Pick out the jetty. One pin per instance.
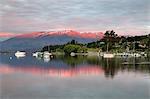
(141, 63)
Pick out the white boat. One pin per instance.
(108, 55)
(47, 53)
(19, 54)
(72, 54)
(36, 54)
(46, 56)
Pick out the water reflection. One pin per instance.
(86, 70)
(66, 66)
(79, 77)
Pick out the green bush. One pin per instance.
(74, 48)
(71, 48)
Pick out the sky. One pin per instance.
(126, 17)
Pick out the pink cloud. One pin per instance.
(5, 35)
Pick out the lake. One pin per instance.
(79, 77)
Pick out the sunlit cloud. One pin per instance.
(6, 35)
(124, 16)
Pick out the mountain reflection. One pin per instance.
(66, 66)
(86, 70)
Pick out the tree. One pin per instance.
(112, 33)
(73, 42)
(110, 38)
(107, 34)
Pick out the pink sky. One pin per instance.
(26, 16)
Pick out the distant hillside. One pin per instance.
(37, 40)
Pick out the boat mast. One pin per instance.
(48, 48)
(134, 46)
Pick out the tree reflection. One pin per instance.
(73, 65)
(110, 66)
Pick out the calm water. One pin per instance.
(73, 78)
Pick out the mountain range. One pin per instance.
(36, 40)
